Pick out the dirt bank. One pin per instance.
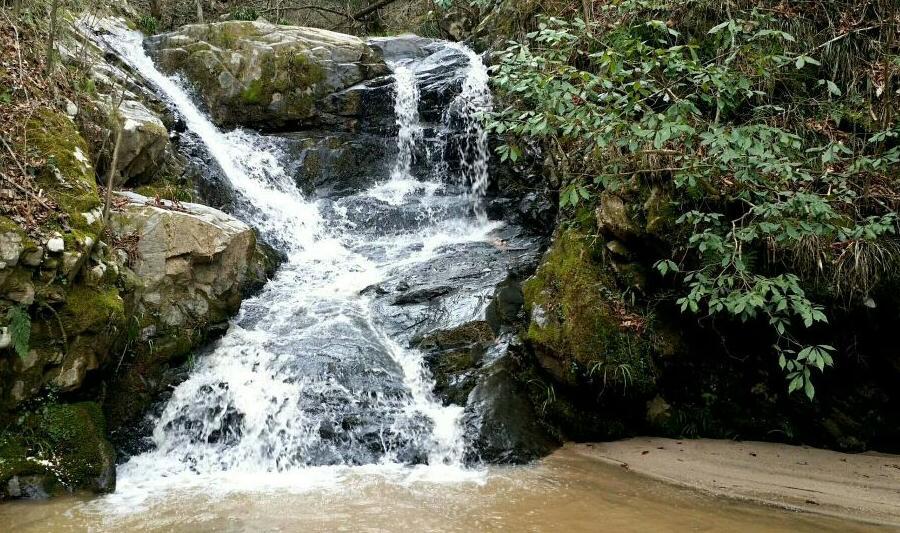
(856, 486)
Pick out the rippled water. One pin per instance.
(568, 492)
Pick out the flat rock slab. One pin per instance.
(857, 486)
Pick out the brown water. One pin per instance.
(565, 492)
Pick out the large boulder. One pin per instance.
(192, 261)
(265, 75)
(191, 266)
(580, 327)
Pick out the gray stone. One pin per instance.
(11, 248)
(56, 245)
(260, 74)
(192, 263)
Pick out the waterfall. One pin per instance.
(469, 107)
(406, 108)
(308, 375)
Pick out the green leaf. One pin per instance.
(719, 27)
(19, 330)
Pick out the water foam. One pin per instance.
(246, 417)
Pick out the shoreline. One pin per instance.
(861, 487)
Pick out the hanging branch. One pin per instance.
(362, 13)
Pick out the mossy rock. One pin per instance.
(454, 357)
(67, 174)
(92, 309)
(260, 74)
(58, 447)
(576, 323)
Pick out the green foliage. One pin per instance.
(19, 329)
(740, 120)
(148, 24)
(244, 13)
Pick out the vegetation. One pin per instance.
(773, 129)
(19, 329)
(354, 16)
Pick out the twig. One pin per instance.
(303, 8)
(19, 54)
(25, 190)
(839, 37)
(14, 158)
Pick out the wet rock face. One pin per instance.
(502, 425)
(263, 75)
(455, 357)
(58, 448)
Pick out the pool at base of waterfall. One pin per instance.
(567, 491)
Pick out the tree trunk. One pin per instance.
(52, 37)
(156, 9)
(199, 12)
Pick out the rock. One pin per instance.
(5, 338)
(33, 257)
(658, 411)
(423, 295)
(71, 108)
(576, 326)
(399, 47)
(11, 247)
(260, 74)
(454, 356)
(56, 245)
(337, 162)
(193, 263)
(72, 263)
(18, 286)
(95, 274)
(26, 488)
(144, 142)
(502, 424)
(65, 450)
(613, 217)
(506, 306)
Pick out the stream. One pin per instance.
(314, 411)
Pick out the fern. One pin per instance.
(19, 330)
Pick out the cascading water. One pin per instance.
(312, 373)
(406, 108)
(468, 108)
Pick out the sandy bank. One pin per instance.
(857, 486)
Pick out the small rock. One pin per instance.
(71, 108)
(33, 258)
(72, 262)
(56, 245)
(5, 338)
(95, 275)
(11, 248)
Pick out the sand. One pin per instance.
(862, 487)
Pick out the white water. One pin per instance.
(469, 107)
(251, 415)
(406, 108)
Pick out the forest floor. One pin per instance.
(856, 486)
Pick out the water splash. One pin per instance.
(308, 381)
(469, 108)
(406, 109)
